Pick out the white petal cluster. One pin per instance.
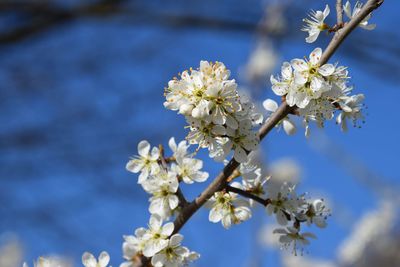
(162, 182)
(157, 243)
(218, 118)
(174, 254)
(288, 206)
(160, 176)
(291, 237)
(284, 203)
(315, 213)
(357, 8)
(88, 260)
(163, 188)
(315, 24)
(318, 92)
(228, 208)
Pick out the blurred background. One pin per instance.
(81, 83)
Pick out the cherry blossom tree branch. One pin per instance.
(247, 194)
(284, 109)
(220, 182)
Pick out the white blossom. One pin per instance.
(227, 208)
(315, 24)
(284, 202)
(146, 162)
(133, 246)
(179, 151)
(215, 112)
(357, 8)
(317, 91)
(156, 237)
(315, 213)
(88, 260)
(291, 236)
(256, 187)
(163, 187)
(241, 141)
(309, 79)
(188, 169)
(351, 109)
(173, 255)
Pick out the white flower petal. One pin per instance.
(270, 105)
(143, 148)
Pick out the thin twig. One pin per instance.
(339, 12)
(247, 194)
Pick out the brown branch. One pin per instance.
(247, 194)
(220, 182)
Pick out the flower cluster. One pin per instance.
(157, 243)
(219, 119)
(160, 176)
(317, 91)
(233, 204)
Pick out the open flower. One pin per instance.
(242, 141)
(156, 236)
(163, 187)
(315, 24)
(290, 236)
(88, 260)
(146, 162)
(309, 79)
(351, 109)
(281, 85)
(179, 151)
(173, 255)
(188, 170)
(317, 213)
(133, 247)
